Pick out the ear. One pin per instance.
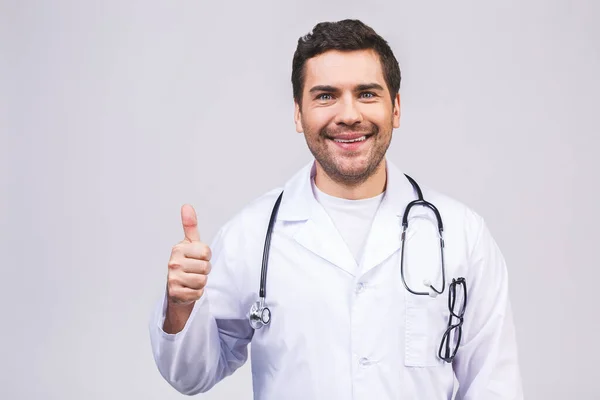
(396, 112)
(298, 118)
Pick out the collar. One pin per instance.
(298, 202)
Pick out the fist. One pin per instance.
(189, 264)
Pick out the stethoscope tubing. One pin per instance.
(257, 311)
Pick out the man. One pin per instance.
(359, 309)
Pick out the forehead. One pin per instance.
(341, 68)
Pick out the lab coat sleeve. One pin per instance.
(486, 364)
(214, 341)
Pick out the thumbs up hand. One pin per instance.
(189, 264)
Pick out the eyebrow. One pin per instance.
(369, 86)
(323, 88)
(359, 88)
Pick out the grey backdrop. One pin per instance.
(115, 113)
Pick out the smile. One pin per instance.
(360, 139)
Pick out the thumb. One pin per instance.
(190, 223)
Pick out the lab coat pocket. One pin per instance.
(424, 329)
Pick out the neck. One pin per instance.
(371, 187)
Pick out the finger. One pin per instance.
(189, 265)
(194, 281)
(182, 294)
(182, 279)
(192, 266)
(197, 251)
(190, 223)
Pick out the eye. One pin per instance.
(367, 95)
(324, 96)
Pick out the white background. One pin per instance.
(115, 113)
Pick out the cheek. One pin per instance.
(379, 116)
(316, 119)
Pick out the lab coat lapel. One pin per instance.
(317, 232)
(384, 238)
(320, 236)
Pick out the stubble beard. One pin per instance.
(327, 160)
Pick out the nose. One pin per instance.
(348, 113)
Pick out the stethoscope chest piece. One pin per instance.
(259, 314)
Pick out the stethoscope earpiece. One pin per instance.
(432, 291)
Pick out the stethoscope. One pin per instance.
(260, 314)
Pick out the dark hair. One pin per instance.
(345, 35)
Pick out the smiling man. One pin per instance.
(347, 116)
(378, 288)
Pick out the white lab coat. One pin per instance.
(342, 330)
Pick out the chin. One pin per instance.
(352, 172)
(353, 165)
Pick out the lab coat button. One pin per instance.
(363, 361)
(360, 287)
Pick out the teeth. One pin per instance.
(360, 139)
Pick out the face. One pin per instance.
(346, 114)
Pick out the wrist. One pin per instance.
(176, 316)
